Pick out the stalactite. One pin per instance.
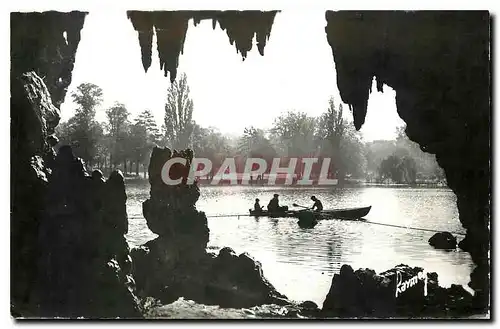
(438, 64)
(144, 27)
(44, 48)
(171, 28)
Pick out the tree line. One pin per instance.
(125, 143)
(119, 142)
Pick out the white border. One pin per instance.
(92, 5)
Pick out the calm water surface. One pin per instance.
(301, 262)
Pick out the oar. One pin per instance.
(298, 205)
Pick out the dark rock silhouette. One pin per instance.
(33, 118)
(69, 257)
(85, 267)
(41, 64)
(363, 293)
(309, 305)
(464, 244)
(443, 240)
(170, 211)
(442, 84)
(230, 270)
(176, 263)
(59, 236)
(307, 219)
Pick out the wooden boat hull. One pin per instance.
(346, 214)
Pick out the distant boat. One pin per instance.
(345, 213)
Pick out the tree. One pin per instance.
(331, 125)
(88, 96)
(101, 148)
(199, 142)
(82, 131)
(147, 119)
(375, 152)
(144, 135)
(63, 132)
(351, 153)
(426, 164)
(138, 143)
(408, 169)
(389, 169)
(211, 144)
(118, 128)
(294, 133)
(338, 139)
(178, 114)
(255, 144)
(399, 170)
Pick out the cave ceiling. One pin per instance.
(171, 27)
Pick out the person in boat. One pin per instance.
(274, 205)
(256, 206)
(317, 206)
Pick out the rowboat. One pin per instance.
(344, 213)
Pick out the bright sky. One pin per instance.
(296, 73)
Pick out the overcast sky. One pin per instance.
(296, 73)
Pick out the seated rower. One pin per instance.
(318, 206)
(256, 206)
(273, 205)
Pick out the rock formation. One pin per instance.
(176, 263)
(69, 257)
(32, 117)
(438, 64)
(41, 64)
(171, 28)
(171, 212)
(443, 240)
(84, 269)
(363, 293)
(307, 219)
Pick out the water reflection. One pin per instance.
(301, 262)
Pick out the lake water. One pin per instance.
(301, 262)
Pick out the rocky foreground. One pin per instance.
(176, 263)
(90, 271)
(177, 272)
(353, 294)
(188, 309)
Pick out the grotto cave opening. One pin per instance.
(438, 75)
